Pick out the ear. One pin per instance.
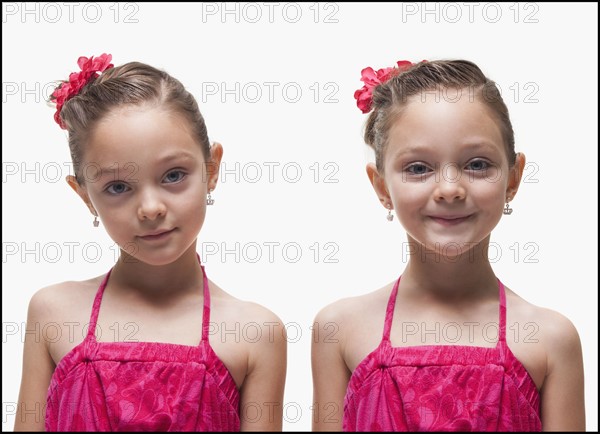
(213, 166)
(81, 192)
(378, 183)
(514, 177)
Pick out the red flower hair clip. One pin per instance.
(372, 79)
(77, 80)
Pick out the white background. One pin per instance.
(543, 56)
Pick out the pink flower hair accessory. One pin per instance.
(77, 80)
(372, 79)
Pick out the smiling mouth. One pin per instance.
(450, 221)
(157, 236)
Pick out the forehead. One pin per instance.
(139, 133)
(447, 117)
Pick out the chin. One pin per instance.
(158, 258)
(450, 249)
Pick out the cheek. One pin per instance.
(488, 194)
(194, 203)
(195, 217)
(197, 209)
(405, 194)
(117, 225)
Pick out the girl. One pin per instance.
(419, 354)
(144, 167)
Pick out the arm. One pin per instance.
(330, 373)
(261, 394)
(562, 398)
(38, 367)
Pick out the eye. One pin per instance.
(175, 176)
(478, 165)
(417, 169)
(117, 188)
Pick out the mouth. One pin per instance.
(157, 235)
(451, 220)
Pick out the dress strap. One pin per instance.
(389, 313)
(96, 307)
(502, 319)
(206, 309)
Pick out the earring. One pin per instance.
(507, 209)
(209, 199)
(96, 222)
(390, 217)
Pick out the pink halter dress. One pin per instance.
(142, 386)
(441, 387)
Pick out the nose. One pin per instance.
(449, 186)
(151, 206)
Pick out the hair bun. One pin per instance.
(372, 79)
(77, 80)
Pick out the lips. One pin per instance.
(157, 234)
(450, 220)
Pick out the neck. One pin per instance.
(156, 281)
(464, 276)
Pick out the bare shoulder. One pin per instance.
(251, 341)
(345, 311)
(557, 348)
(59, 299)
(343, 334)
(353, 324)
(247, 317)
(544, 334)
(555, 329)
(256, 315)
(60, 313)
(558, 334)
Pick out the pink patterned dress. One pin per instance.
(142, 386)
(441, 387)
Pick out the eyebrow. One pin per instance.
(479, 144)
(165, 159)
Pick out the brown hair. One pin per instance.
(133, 83)
(391, 97)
